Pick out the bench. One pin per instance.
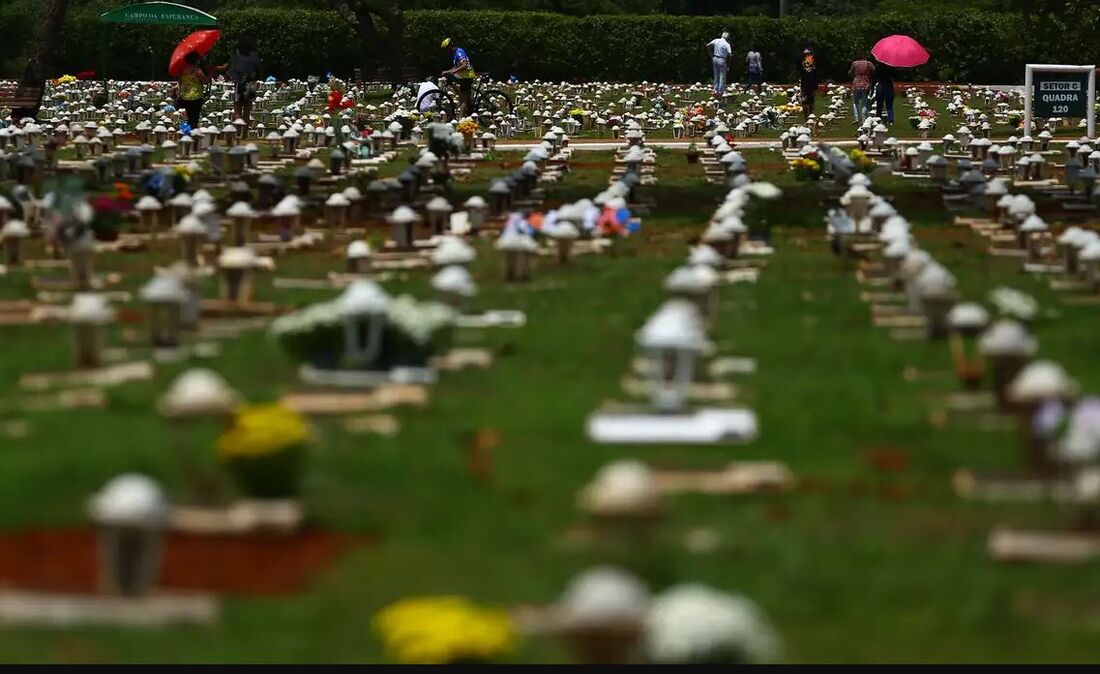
(23, 101)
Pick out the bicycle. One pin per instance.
(486, 102)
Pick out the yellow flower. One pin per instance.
(440, 630)
(861, 160)
(261, 430)
(467, 126)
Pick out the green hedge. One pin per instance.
(966, 46)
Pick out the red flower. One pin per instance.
(108, 205)
(123, 192)
(334, 99)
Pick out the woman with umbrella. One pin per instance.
(187, 66)
(192, 87)
(884, 91)
(895, 51)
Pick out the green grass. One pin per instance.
(856, 566)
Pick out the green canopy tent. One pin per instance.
(151, 13)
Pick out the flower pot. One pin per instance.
(607, 644)
(1005, 368)
(269, 476)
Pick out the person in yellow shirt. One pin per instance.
(192, 88)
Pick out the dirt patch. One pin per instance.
(894, 493)
(887, 459)
(65, 560)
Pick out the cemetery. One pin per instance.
(594, 371)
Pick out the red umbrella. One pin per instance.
(900, 51)
(201, 41)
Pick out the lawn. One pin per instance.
(857, 564)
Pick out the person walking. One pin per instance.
(807, 80)
(720, 56)
(754, 63)
(243, 70)
(884, 92)
(862, 72)
(192, 88)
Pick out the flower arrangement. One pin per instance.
(1015, 120)
(182, 172)
(806, 168)
(694, 624)
(615, 222)
(407, 119)
(263, 450)
(923, 115)
(444, 630)
(262, 430)
(578, 114)
(414, 332)
(338, 85)
(789, 108)
(336, 101)
(123, 192)
(420, 322)
(110, 209)
(862, 163)
(467, 127)
(1014, 304)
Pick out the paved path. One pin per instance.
(588, 145)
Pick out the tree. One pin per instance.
(381, 27)
(43, 55)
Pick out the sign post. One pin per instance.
(1060, 91)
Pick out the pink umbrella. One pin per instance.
(900, 51)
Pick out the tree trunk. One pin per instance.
(43, 57)
(395, 37)
(387, 48)
(782, 8)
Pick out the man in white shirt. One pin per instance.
(720, 57)
(427, 95)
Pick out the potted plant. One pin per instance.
(415, 331)
(468, 128)
(264, 450)
(697, 625)
(313, 335)
(693, 154)
(409, 334)
(806, 169)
